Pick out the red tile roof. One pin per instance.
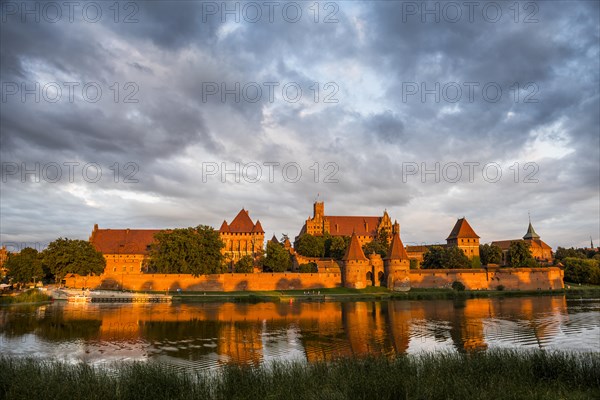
(397, 251)
(354, 251)
(462, 229)
(224, 227)
(258, 227)
(345, 225)
(242, 223)
(505, 244)
(123, 241)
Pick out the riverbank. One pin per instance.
(486, 375)
(32, 296)
(375, 293)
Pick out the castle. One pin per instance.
(126, 252)
(366, 228)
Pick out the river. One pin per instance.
(208, 335)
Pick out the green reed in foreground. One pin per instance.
(486, 375)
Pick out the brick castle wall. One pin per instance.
(481, 279)
(473, 279)
(222, 282)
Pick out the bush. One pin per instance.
(308, 268)
(458, 286)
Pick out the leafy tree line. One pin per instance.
(445, 257)
(195, 251)
(490, 254)
(61, 257)
(563, 253)
(335, 246)
(322, 246)
(582, 270)
(519, 256)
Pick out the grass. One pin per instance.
(30, 296)
(378, 293)
(486, 375)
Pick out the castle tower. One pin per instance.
(242, 237)
(356, 265)
(397, 265)
(465, 238)
(319, 210)
(539, 249)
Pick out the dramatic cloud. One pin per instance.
(193, 110)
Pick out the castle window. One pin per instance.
(114, 269)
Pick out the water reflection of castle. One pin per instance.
(248, 333)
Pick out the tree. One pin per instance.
(519, 255)
(376, 246)
(490, 254)
(278, 259)
(383, 237)
(414, 264)
(66, 256)
(450, 257)
(310, 246)
(24, 267)
(562, 253)
(307, 268)
(338, 246)
(244, 265)
(195, 251)
(578, 270)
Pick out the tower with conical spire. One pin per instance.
(397, 265)
(531, 234)
(355, 265)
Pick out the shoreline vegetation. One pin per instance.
(337, 294)
(505, 374)
(377, 293)
(30, 296)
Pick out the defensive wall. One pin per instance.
(473, 279)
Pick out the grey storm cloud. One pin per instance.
(360, 121)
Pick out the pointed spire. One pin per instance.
(396, 250)
(258, 227)
(224, 227)
(462, 229)
(242, 222)
(354, 251)
(274, 239)
(531, 232)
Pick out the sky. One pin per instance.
(161, 114)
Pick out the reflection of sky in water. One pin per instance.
(429, 336)
(206, 336)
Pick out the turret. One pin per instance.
(356, 265)
(397, 265)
